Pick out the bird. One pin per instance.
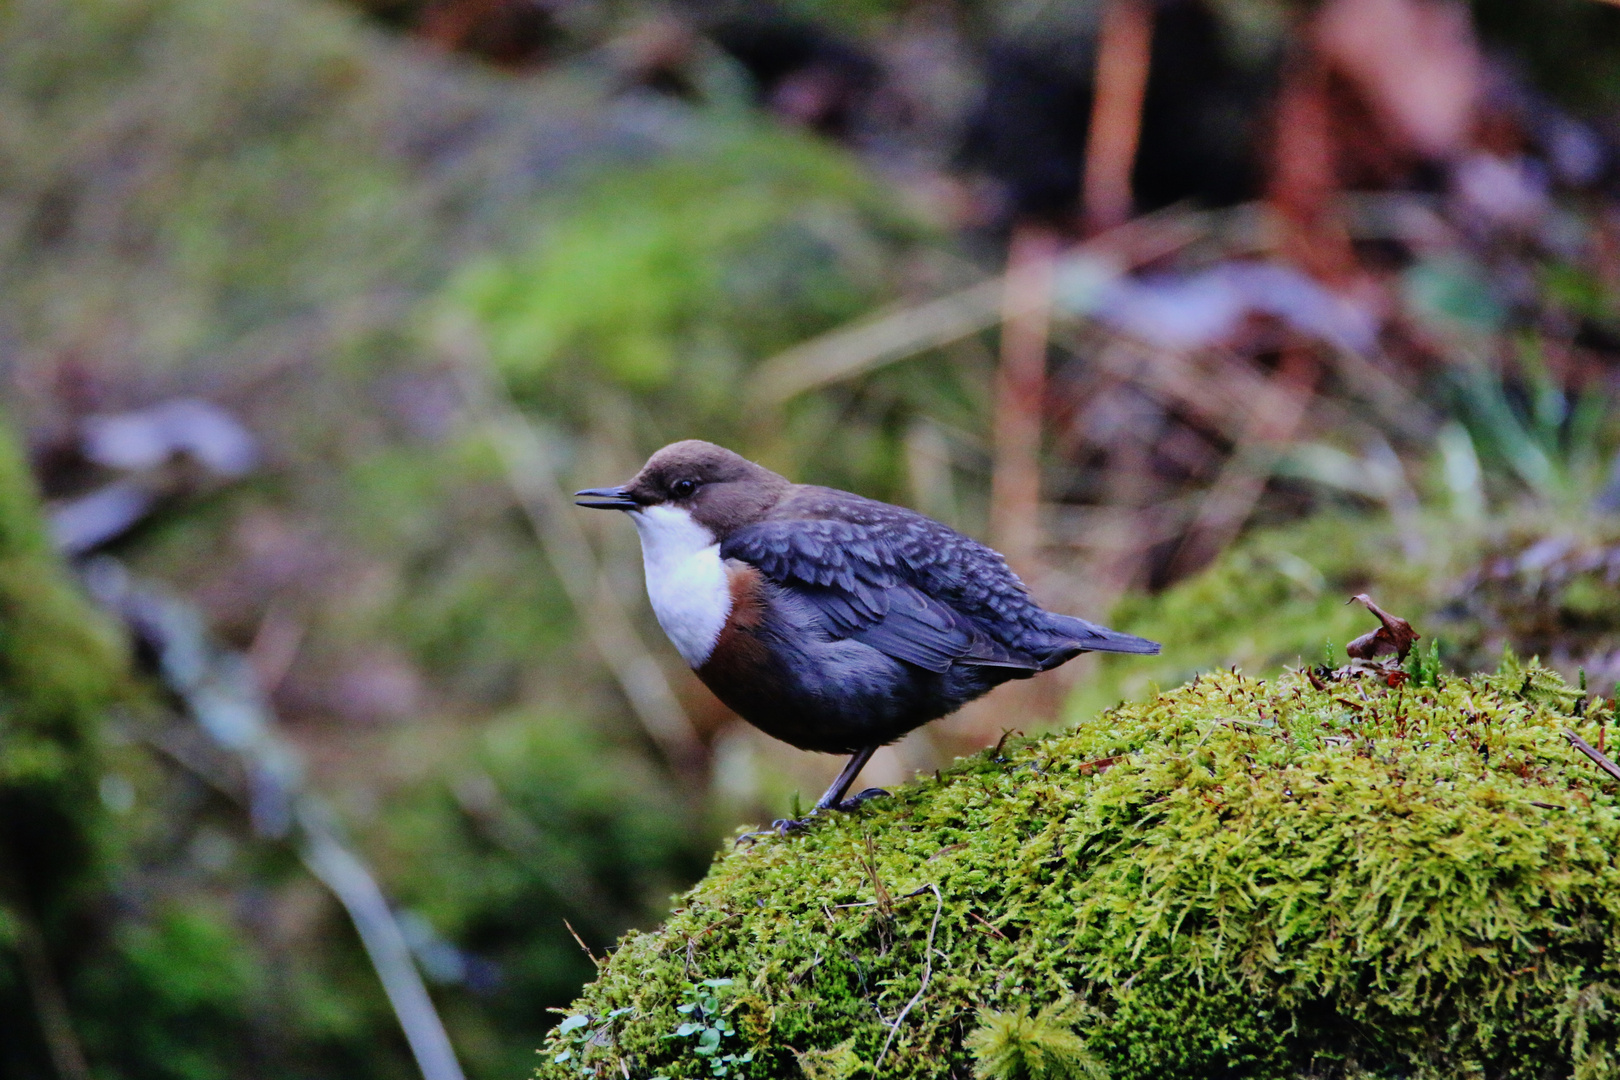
(830, 621)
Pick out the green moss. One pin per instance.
(1237, 878)
(1019, 1046)
(60, 666)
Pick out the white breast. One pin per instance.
(686, 580)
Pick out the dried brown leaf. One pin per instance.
(1394, 636)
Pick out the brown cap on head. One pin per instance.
(721, 489)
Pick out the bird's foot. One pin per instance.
(781, 827)
(786, 826)
(855, 801)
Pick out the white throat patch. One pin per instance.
(686, 580)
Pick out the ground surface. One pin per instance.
(1238, 878)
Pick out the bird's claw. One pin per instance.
(780, 827)
(785, 826)
(855, 801)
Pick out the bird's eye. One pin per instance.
(682, 488)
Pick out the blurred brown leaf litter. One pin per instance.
(307, 311)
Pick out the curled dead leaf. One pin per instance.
(1394, 636)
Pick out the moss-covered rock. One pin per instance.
(1238, 878)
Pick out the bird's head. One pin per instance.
(700, 481)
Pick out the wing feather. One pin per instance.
(858, 582)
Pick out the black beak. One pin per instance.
(612, 498)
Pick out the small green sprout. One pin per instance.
(704, 1019)
(1424, 665)
(578, 1032)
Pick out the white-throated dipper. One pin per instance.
(827, 620)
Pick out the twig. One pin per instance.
(873, 903)
(869, 863)
(586, 949)
(894, 335)
(718, 923)
(986, 924)
(1599, 759)
(340, 871)
(928, 973)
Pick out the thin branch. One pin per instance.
(1599, 759)
(928, 973)
(987, 924)
(854, 350)
(586, 949)
(223, 696)
(347, 877)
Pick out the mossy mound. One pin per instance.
(1238, 878)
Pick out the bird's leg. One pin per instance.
(832, 800)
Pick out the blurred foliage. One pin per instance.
(1237, 878)
(250, 199)
(263, 201)
(638, 311)
(678, 271)
(164, 992)
(542, 815)
(61, 666)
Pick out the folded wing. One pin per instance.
(861, 589)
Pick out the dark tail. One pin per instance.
(1077, 636)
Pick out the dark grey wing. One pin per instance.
(925, 632)
(862, 548)
(858, 582)
(891, 540)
